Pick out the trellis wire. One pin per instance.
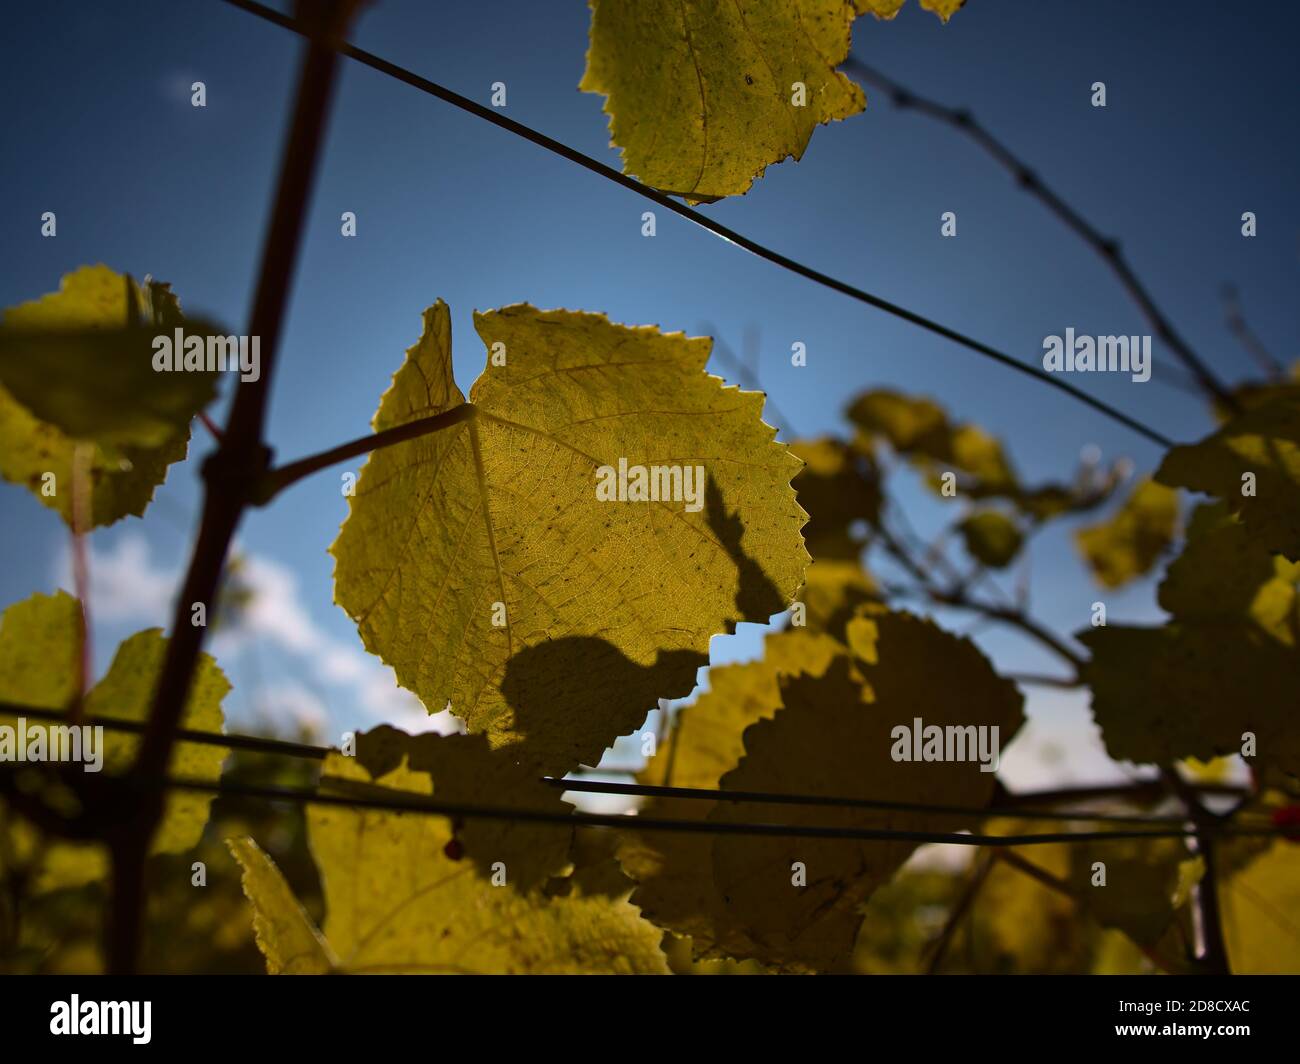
(395, 801)
(281, 747)
(445, 94)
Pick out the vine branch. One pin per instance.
(1246, 336)
(276, 480)
(1107, 247)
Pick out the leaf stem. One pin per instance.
(276, 480)
(959, 598)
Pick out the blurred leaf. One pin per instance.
(909, 425)
(991, 538)
(1228, 662)
(1128, 544)
(832, 592)
(40, 649)
(1147, 882)
(1021, 925)
(1263, 441)
(81, 359)
(1259, 905)
(839, 487)
(921, 431)
(1226, 574)
(74, 374)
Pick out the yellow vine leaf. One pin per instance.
(482, 563)
(1260, 903)
(1227, 664)
(706, 738)
(803, 737)
(704, 96)
(467, 771)
(74, 377)
(945, 9)
(1253, 464)
(888, 9)
(833, 591)
(397, 902)
(672, 870)
(839, 487)
(1129, 544)
(1147, 885)
(1019, 924)
(40, 648)
(286, 935)
(835, 736)
(920, 429)
(991, 538)
(1224, 573)
(909, 424)
(82, 358)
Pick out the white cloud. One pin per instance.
(127, 586)
(294, 701)
(124, 583)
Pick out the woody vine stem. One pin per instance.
(239, 462)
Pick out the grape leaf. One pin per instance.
(396, 902)
(1021, 925)
(705, 741)
(839, 487)
(832, 592)
(1225, 573)
(607, 606)
(834, 736)
(888, 9)
(1146, 887)
(467, 771)
(82, 359)
(97, 410)
(702, 96)
(285, 934)
(909, 424)
(672, 870)
(1228, 662)
(1128, 544)
(920, 430)
(991, 537)
(40, 647)
(1259, 903)
(822, 735)
(1263, 441)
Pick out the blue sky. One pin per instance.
(99, 128)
